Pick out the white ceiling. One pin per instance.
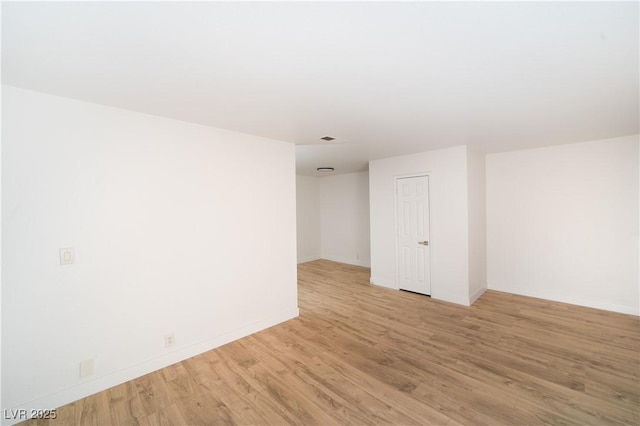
(384, 78)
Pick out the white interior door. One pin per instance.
(412, 210)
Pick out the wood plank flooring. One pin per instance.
(361, 354)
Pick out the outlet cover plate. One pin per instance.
(67, 256)
(86, 368)
(169, 340)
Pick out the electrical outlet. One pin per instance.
(169, 340)
(86, 368)
(67, 256)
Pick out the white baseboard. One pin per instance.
(438, 294)
(476, 295)
(356, 262)
(383, 283)
(572, 300)
(115, 378)
(308, 259)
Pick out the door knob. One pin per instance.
(424, 243)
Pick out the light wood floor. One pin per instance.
(361, 354)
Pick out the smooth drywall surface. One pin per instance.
(177, 228)
(477, 224)
(344, 201)
(562, 223)
(308, 217)
(1, 405)
(447, 170)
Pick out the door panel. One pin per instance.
(413, 234)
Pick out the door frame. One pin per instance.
(396, 178)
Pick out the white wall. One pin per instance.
(477, 224)
(176, 227)
(308, 218)
(1, 239)
(562, 223)
(449, 224)
(344, 201)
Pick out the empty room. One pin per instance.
(331, 213)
